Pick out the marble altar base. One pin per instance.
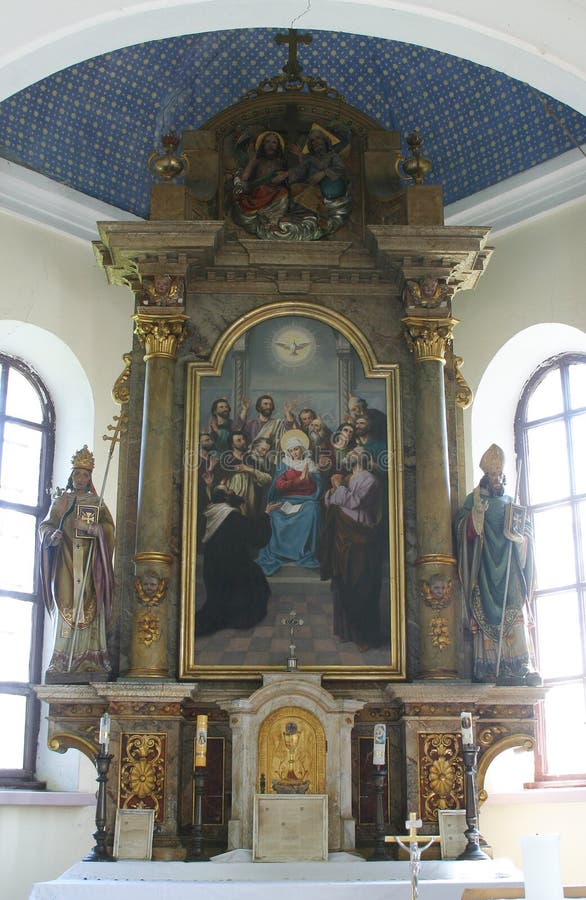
(343, 877)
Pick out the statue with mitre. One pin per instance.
(495, 555)
(76, 576)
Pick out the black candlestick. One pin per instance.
(197, 854)
(380, 850)
(472, 851)
(100, 852)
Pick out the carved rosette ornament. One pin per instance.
(161, 333)
(428, 338)
(441, 774)
(142, 772)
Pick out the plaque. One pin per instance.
(133, 834)
(290, 827)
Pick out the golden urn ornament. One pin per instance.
(168, 165)
(416, 166)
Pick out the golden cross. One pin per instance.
(292, 67)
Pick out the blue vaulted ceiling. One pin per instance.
(93, 126)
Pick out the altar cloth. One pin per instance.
(343, 877)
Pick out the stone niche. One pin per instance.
(289, 695)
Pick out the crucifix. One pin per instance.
(413, 848)
(292, 67)
(292, 622)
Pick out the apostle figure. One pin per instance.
(242, 475)
(265, 424)
(294, 508)
(319, 182)
(260, 186)
(351, 551)
(496, 569)
(76, 576)
(237, 591)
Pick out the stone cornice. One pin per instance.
(457, 256)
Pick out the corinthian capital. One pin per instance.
(427, 337)
(161, 333)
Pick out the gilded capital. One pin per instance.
(428, 338)
(161, 334)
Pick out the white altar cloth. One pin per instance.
(343, 877)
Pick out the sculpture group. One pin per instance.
(285, 192)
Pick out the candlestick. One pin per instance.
(197, 853)
(100, 852)
(380, 852)
(201, 741)
(466, 727)
(379, 745)
(472, 850)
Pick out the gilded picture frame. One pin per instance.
(311, 359)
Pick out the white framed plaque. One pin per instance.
(452, 825)
(290, 827)
(133, 834)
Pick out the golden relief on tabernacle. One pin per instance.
(291, 753)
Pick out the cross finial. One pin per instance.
(292, 67)
(413, 823)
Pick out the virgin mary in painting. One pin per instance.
(294, 508)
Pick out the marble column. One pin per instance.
(161, 330)
(428, 334)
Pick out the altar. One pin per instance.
(279, 331)
(340, 878)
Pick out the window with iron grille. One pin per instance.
(27, 425)
(550, 432)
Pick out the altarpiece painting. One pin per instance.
(293, 416)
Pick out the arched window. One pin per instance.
(26, 458)
(550, 433)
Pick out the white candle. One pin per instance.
(541, 867)
(466, 727)
(379, 745)
(104, 738)
(201, 740)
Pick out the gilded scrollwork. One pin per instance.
(148, 629)
(464, 393)
(121, 391)
(142, 772)
(490, 734)
(441, 774)
(439, 632)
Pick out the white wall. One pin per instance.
(536, 277)
(57, 311)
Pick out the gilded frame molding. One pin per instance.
(389, 374)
